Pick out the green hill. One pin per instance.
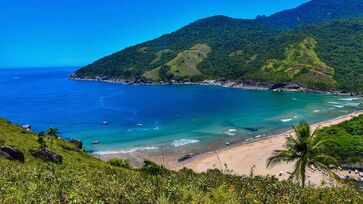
(81, 178)
(315, 11)
(245, 49)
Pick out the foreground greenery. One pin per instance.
(304, 149)
(84, 179)
(306, 45)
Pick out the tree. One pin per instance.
(304, 149)
(41, 139)
(52, 133)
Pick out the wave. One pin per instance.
(288, 119)
(348, 99)
(231, 132)
(125, 151)
(338, 106)
(182, 142)
(333, 102)
(352, 104)
(15, 78)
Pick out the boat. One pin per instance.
(105, 122)
(96, 142)
(140, 125)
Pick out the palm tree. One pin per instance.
(304, 149)
(52, 133)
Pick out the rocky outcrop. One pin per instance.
(11, 153)
(47, 155)
(27, 127)
(78, 143)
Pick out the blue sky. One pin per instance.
(45, 33)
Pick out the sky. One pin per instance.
(56, 33)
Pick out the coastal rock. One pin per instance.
(47, 155)
(278, 86)
(78, 143)
(11, 153)
(27, 127)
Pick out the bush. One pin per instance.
(153, 168)
(120, 163)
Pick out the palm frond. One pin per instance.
(322, 142)
(327, 169)
(279, 156)
(326, 160)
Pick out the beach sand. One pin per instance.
(241, 158)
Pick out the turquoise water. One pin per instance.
(143, 117)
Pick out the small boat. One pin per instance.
(140, 125)
(96, 142)
(105, 122)
(228, 143)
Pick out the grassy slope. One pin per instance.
(84, 179)
(301, 64)
(183, 65)
(349, 139)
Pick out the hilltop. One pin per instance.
(306, 45)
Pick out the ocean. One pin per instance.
(142, 118)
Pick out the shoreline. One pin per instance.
(241, 158)
(173, 163)
(238, 84)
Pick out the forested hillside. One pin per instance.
(303, 45)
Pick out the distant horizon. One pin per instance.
(40, 33)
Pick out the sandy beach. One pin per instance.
(241, 158)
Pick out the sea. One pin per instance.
(124, 119)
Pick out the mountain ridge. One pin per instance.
(240, 48)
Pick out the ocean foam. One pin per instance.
(125, 151)
(348, 99)
(231, 132)
(182, 142)
(333, 102)
(316, 111)
(288, 119)
(338, 106)
(352, 104)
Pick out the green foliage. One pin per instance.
(315, 11)
(301, 64)
(120, 163)
(153, 168)
(240, 49)
(348, 139)
(303, 148)
(82, 178)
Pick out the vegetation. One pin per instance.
(81, 178)
(298, 49)
(304, 149)
(301, 64)
(348, 141)
(315, 11)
